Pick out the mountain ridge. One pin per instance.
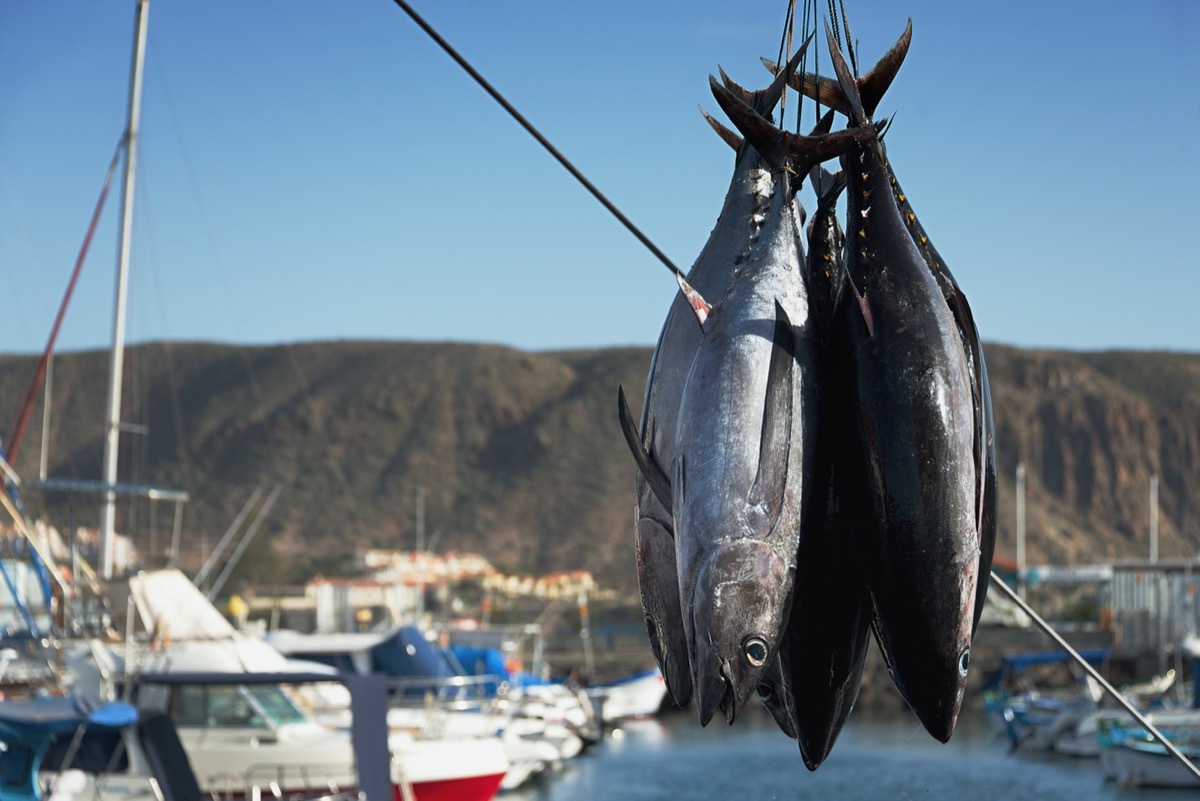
(520, 456)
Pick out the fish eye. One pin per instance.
(755, 651)
(964, 661)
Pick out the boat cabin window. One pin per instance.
(233, 705)
(276, 704)
(217, 705)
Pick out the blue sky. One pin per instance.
(320, 170)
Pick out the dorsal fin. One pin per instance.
(770, 481)
(660, 485)
(728, 136)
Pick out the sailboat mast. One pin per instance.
(108, 512)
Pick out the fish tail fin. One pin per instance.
(828, 186)
(824, 125)
(876, 82)
(820, 88)
(856, 113)
(727, 136)
(871, 87)
(783, 150)
(764, 100)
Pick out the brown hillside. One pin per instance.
(521, 458)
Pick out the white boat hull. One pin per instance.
(1140, 764)
(639, 696)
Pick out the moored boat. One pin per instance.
(232, 699)
(1138, 760)
(638, 695)
(79, 747)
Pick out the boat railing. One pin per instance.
(465, 692)
(442, 695)
(267, 782)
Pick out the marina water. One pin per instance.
(893, 759)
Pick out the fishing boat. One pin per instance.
(1082, 738)
(81, 747)
(1136, 759)
(1033, 718)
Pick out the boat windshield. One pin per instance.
(275, 703)
(233, 705)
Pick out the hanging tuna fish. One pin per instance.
(816, 454)
(727, 411)
(872, 87)
(918, 475)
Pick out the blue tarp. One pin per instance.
(408, 655)
(1015, 663)
(478, 661)
(1022, 661)
(57, 715)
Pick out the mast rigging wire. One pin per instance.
(14, 441)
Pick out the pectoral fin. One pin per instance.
(660, 485)
(776, 438)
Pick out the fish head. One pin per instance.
(738, 609)
(930, 663)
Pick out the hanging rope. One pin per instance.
(543, 141)
(833, 22)
(849, 38)
(808, 27)
(785, 55)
